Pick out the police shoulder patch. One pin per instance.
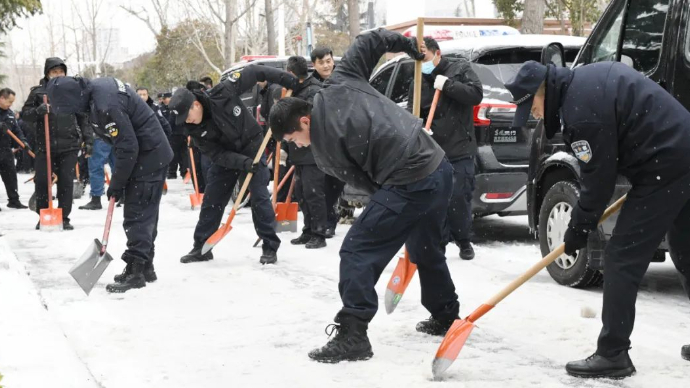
(582, 150)
(112, 129)
(235, 76)
(236, 110)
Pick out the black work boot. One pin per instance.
(349, 344)
(316, 242)
(150, 273)
(330, 232)
(94, 204)
(433, 326)
(135, 279)
(66, 225)
(125, 272)
(596, 366)
(15, 204)
(195, 256)
(466, 250)
(268, 256)
(685, 352)
(302, 239)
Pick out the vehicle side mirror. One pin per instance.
(553, 53)
(626, 60)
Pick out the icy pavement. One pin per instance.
(234, 323)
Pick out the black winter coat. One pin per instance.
(67, 131)
(175, 130)
(361, 137)
(159, 115)
(123, 119)
(8, 121)
(619, 122)
(228, 133)
(453, 123)
(306, 90)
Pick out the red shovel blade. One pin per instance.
(450, 347)
(196, 200)
(219, 234)
(51, 219)
(402, 275)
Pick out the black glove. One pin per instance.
(575, 239)
(250, 167)
(4, 126)
(42, 109)
(412, 50)
(115, 193)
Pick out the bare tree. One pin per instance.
(155, 23)
(270, 28)
(533, 17)
(353, 18)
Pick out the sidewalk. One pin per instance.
(34, 352)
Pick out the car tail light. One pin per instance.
(498, 195)
(481, 112)
(258, 116)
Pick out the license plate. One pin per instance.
(505, 136)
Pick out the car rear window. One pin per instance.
(495, 68)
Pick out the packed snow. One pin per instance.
(232, 322)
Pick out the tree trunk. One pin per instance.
(230, 8)
(533, 17)
(353, 18)
(270, 28)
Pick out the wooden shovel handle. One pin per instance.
(551, 257)
(108, 221)
(21, 143)
(292, 187)
(432, 110)
(245, 184)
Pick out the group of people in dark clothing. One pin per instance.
(420, 183)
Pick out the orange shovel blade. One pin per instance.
(450, 347)
(286, 211)
(51, 219)
(196, 200)
(187, 177)
(215, 238)
(165, 187)
(402, 275)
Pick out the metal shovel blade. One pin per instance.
(90, 266)
(78, 190)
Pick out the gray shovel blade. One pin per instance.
(78, 190)
(286, 226)
(90, 266)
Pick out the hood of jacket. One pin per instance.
(51, 63)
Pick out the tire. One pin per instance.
(554, 217)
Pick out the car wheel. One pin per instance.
(554, 217)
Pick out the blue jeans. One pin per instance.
(102, 154)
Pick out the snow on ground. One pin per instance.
(233, 322)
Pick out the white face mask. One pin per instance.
(428, 67)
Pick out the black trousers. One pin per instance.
(460, 209)
(413, 215)
(647, 215)
(310, 188)
(334, 189)
(8, 172)
(64, 166)
(142, 207)
(219, 186)
(180, 155)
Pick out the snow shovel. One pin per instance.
(78, 186)
(195, 198)
(227, 226)
(405, 270)
(460, 330)
(275, 193)
(286, 213)
(21, 143)
(95, 259)
(50, 218)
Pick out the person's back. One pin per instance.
(653, 130)
(366, 139)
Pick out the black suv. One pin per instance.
(503, 152)
(651, 37)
